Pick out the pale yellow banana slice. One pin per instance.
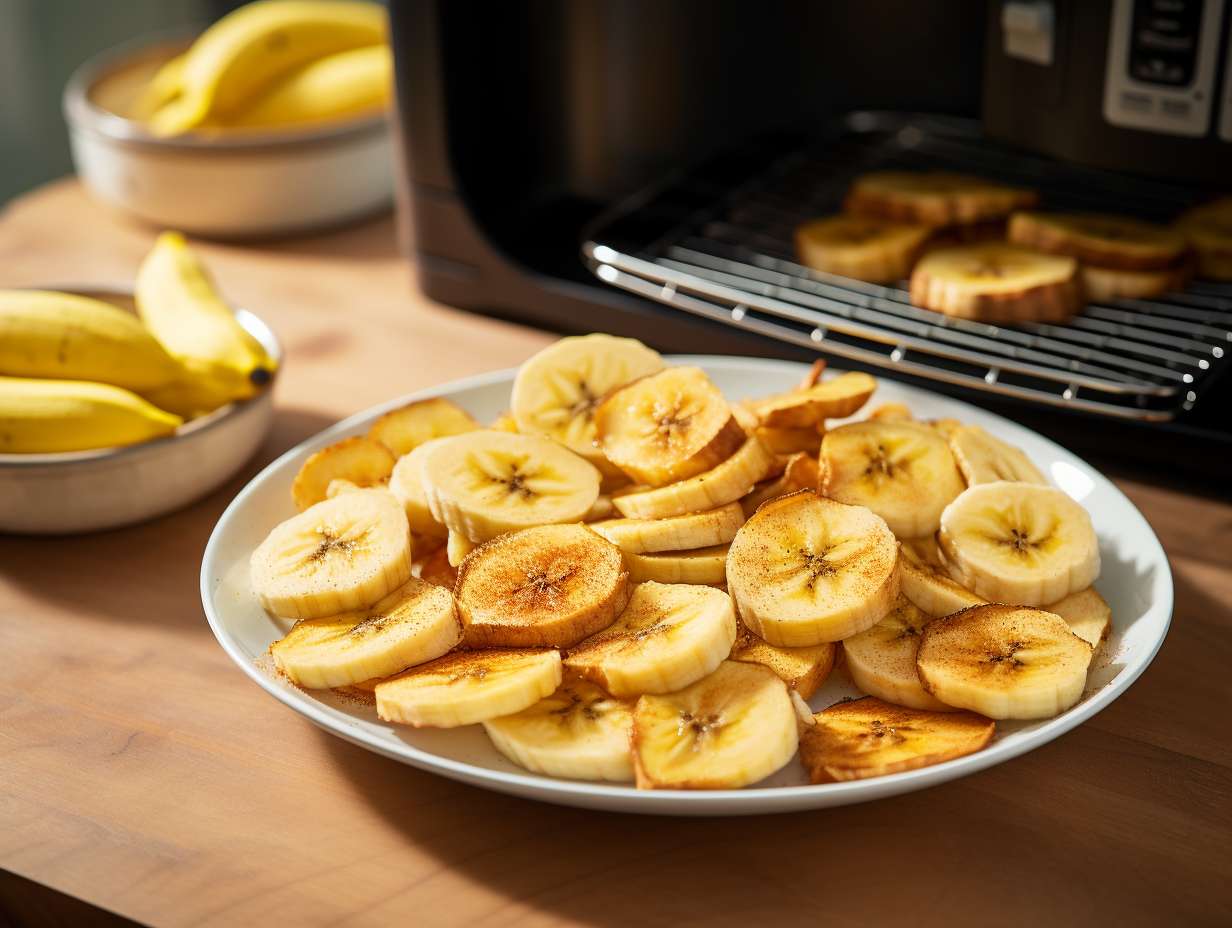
(934, 198)
(861, 738)
(1088, 615)
(1005, 662)
(341, 554)
(995, 282)
(483, 484)
(415, 623)
(676, 533)
(468, 686)
(881, 660)
(924, 580)
(983, 458)
(404, 429)
(669, 635)
(805, 570)
(1098, 239)
(406, 483)
(550, 585)
(860, 247)
(362, 461)
(579, 733)
(808, 407)
(667, 427)
(701, 565)
(735, 727)
(902, 471)
(804, 670)
(505, 423)
(1019, 543)
(457, 548)
(724, 484)
(600, 509)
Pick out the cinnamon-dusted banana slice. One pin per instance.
(403, 429)
(701, 565)
(881, 659)
(902, 471)
(1209, 230)
(860, 247)
(406, 483)
(550, 585)
(808, 407)
(861, 738)
(925, 581)
(994, 282)
(1088, 615)
(804, 669)
(934, 198)
(1005, 662)
(667, 427)
(361, 461)
(1103, 284)
(675, 533)
(716, 487)
(806, 570)
(984, 458)
(1099, 239)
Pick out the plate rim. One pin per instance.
(623, 797)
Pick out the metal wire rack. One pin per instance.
(717, 242)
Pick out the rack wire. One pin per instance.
(717, 242)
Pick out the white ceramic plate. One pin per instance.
(1136, 582)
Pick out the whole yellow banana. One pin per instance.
(62, 335)
(40, 416)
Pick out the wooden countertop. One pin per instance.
(140, 771)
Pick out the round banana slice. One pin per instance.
(676, 533)
(860, 247)
(341, 554)
(1099, 239)
(579, 733)
(415, 623)
(361, 461)
(881, 660)
(983, 458)
(701, 565)
(902, 471)
(724, 484)
(557, 391)
(925, 582)
(735, 727)
(404, 429)
(891, 412)
(1104, 284)
(934, 198)
(1005, 662)
(1208, 229)
(809, 407)
(806, 570)
(669, 635)
(483, 484)
(467, 687)
(1088, 615)
(804, 670)
(552, 585)
(406, 483)
(667, 427)
(1019, 543)
(995, 282)
(861, 738)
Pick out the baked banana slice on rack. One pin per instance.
(1102, 240)
(1103, 283)
(1209, 230)
(864, 248)
(934, 198)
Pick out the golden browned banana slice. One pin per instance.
(861, 738)
(983, 458)
(667, 427)
(790, 441)
(902, 471)
(1102, 240)
(723, 484)
(1088, 615)
(406, 428)
(881, 660)
(467, 687)
(1005, 662)
(1209, 230)
(800, 473)
(361, 461)
(1104, 284)
(934, 198)
(806, 570)
(860, 247)
(675, 533)
(804, 670)
(892, 412)
(735, 727)
(701, 565)
(994, 282)
(925, 581)
(550, 585)
(807, 408)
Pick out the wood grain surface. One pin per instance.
(143, 773)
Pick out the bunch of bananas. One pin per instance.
(274, 63)
(78, 373)
(621, 581)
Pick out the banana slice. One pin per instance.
(505, 423)
(724, 484)
(1102, 240)
(600, 509)
(804, 670)
(436, 569)
(1019, 543)
(983, 458)
(934, 198)
(467, 687)
(860, 247)
(881, 659)
(415, 623)
(340, 485)
(676, 533)
(406, 483)
(342, 554)
(809, 407)
(902, 471)
(669, 636)
(457, 548)
(861, 738)
(735, 727)
(551, 585)
(790, 441)
(1209, 230)
(806, 570)
(995, 282)
(1088, 615)
(1103, 284)
(483, 484)
(799, 473)
(361, 461)
(1005, 662)
(404, 429)
(891, 412)
(667, 427)
(925, 581)
(701, 565)
(579, 733)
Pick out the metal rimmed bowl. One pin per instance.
(237, 184)
(83, 491)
